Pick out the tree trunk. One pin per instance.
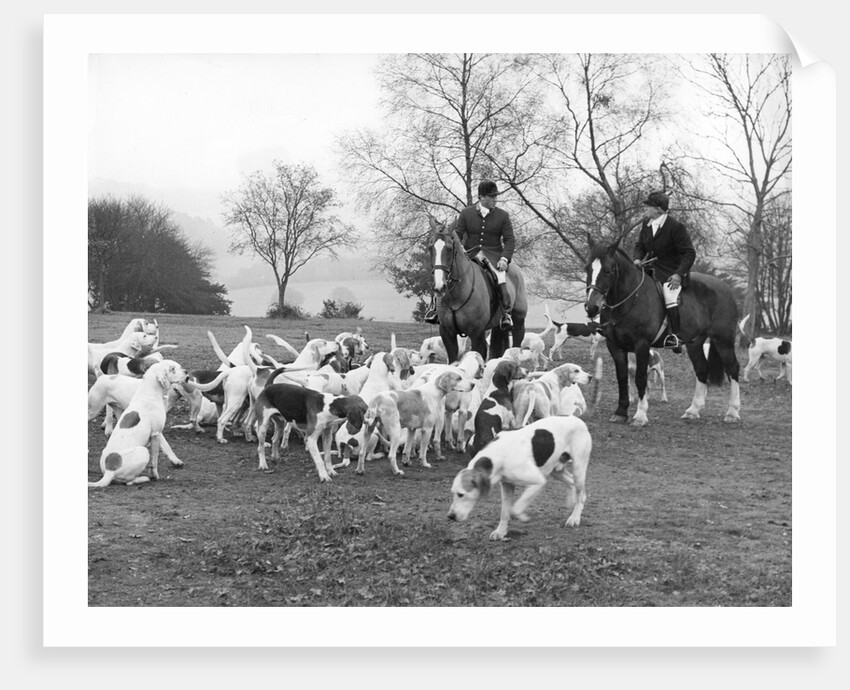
(281, 295)
(754, 245)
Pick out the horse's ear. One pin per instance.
(616, 244)
(435, 226)
(590, 241)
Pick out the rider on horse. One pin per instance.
(488, 237)
(665, 240)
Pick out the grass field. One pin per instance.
(679, 513)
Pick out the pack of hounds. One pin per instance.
(518, 422)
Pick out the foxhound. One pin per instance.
(775, 349)
(136, 440)
(655, 372)
(432, 349)
(590, 331)
(314, 414)
(557, 447)
(496, 411)
(535, 343)
(542, 396)
(134, 345)
(382, 369)
(414, 409)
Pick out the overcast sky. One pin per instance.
(202, 122)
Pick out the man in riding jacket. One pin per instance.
(665, 239)
(488, 237)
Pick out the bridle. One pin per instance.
(604, 293)
(451, 280)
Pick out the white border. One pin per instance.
(68, 620)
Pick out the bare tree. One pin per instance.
(750, 97)
(442, 113)
(286, 219)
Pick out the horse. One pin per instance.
(634, 318)
(469, 303)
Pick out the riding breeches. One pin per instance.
(671, 295)
(501, 276)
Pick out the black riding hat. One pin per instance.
(658, 200)
(488, 188)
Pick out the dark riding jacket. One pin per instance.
(493, 234)
(671, 247)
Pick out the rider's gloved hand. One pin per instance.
(675, 281)
(637, 262)
(502, 265)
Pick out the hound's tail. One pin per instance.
(595, 389)
(392, 342)
(207, 387)
(285, 345)
(106, 480)
(246, 351)
(745, 339)
(716, 370)
(218, 351)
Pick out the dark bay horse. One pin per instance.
(634, 318)
(469, 304)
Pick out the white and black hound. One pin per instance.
(557, 447)
(314, 414)
(135, 442)
(496, 411)
(761, 349)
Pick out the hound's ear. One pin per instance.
(317, 353)
(162, 377)
(481, 471)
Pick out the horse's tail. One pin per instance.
(716, 370)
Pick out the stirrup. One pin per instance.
(672, 342)
(507, 322)
(431, 316)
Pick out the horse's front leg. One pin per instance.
(641, 377)
(478, 343)
(621, 366)
(449, 338)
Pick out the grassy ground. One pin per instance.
(679, 513)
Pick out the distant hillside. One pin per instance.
(198, 214)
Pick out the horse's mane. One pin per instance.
(601, 248)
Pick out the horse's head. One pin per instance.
(603, 269)
(441, 249)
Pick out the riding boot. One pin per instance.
(505, 298)
(431, 312)
(672, 340)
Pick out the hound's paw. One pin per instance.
(325, 479)
(222, 440)
(400, 473)
(731, 417)
(690, 414)
(358, 471)
(637, 421)
(573, 521)
(177, 462)
(522, 517)
(426, 464)
(498, 535)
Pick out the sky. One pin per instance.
(203, 122)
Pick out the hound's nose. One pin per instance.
(452, 517)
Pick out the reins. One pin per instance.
(616, 277)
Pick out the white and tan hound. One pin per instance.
(417, 408)
(542, 396)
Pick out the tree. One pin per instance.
(750, 97)
(286, 220)
(442, 112)
(107, 231)
(139, 260)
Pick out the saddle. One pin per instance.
(495, 304)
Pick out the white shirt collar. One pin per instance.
(483, 210)
(657, 222)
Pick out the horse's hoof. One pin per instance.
(617, 419)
